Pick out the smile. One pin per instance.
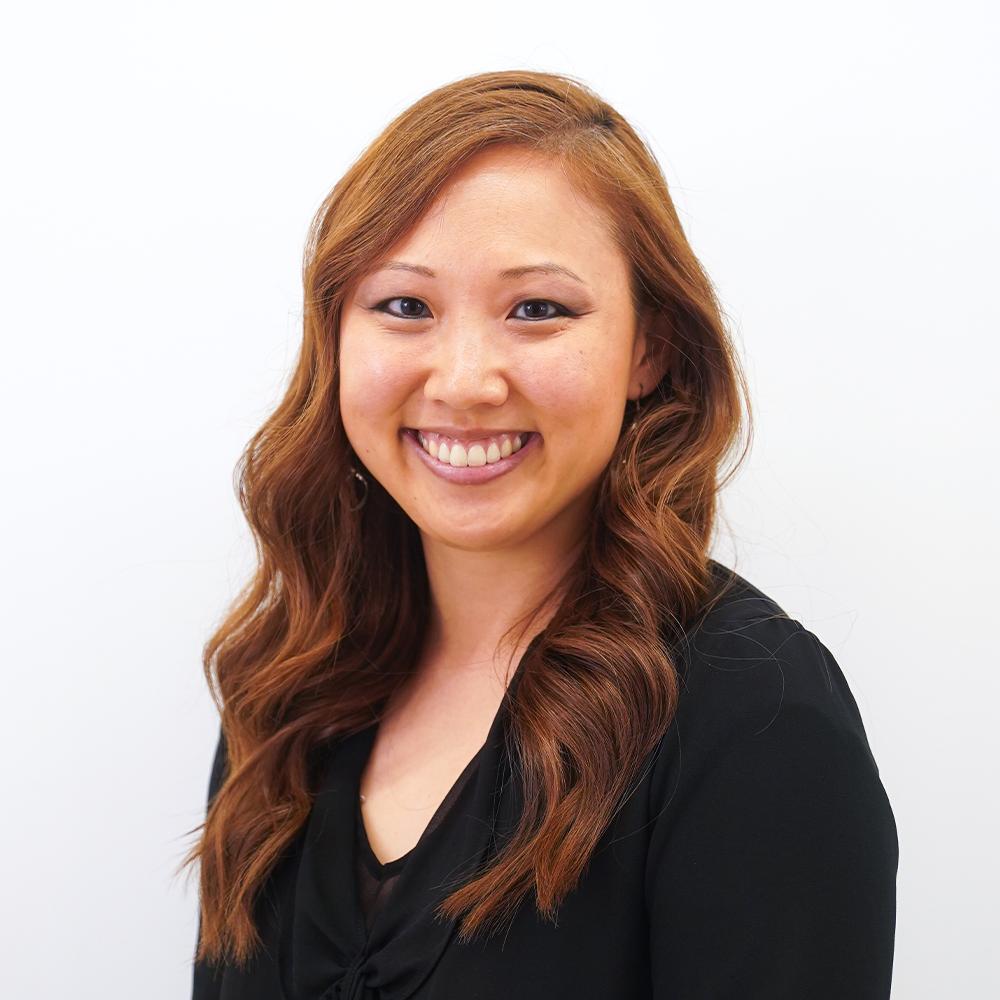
(474, 460)
(475, 453)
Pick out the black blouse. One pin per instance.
(755, 858)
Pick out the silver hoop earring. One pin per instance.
(354, 474)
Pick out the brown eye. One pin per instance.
(539, 309)
(405, 307)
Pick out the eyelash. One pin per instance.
(560, 310)
(384, 306)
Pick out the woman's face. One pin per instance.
(485, 365)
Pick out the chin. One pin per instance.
(486, 529)
(471, 539)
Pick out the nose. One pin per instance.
(466, 369)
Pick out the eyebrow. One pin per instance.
(398, 265)
(508, 274)
(512, 273)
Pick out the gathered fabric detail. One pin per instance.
(352, 986)
(328, 950)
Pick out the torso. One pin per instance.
(766, 856)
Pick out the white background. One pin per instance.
(836, 167)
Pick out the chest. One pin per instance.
(421, 749)
(314, 947)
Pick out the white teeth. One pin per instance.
(460, 455)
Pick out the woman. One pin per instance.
(493, 724)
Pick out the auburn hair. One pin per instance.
(334, 616)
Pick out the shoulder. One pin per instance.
(772, 847)
(746, 664)
(762, 703)
(220, 765)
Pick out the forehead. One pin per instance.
(511, 202)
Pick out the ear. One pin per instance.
(652, 354)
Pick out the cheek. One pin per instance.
(371, 384)
(580, 393)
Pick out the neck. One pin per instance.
(482, 601)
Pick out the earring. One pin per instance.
(354, 474)
(638, 408)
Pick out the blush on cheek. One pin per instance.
(374, 388)
(355, 406)
(578, 393)
(360, 363)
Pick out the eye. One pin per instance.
(536, 309)
(404, 307)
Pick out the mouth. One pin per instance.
(459, 453)
(474, 459)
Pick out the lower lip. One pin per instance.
(471, 475)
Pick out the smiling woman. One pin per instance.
(502, 328)
(484, 623)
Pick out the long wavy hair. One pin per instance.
(335, 614)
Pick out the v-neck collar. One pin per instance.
(383, 869)
(324, 951)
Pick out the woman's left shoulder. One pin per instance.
(771, 853)
(762, 705)
(748, 666)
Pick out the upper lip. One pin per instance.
(470, 433)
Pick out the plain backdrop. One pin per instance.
(835, 166)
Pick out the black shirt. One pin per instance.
(754, 859)
(377, 879)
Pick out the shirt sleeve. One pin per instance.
(772, 862)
